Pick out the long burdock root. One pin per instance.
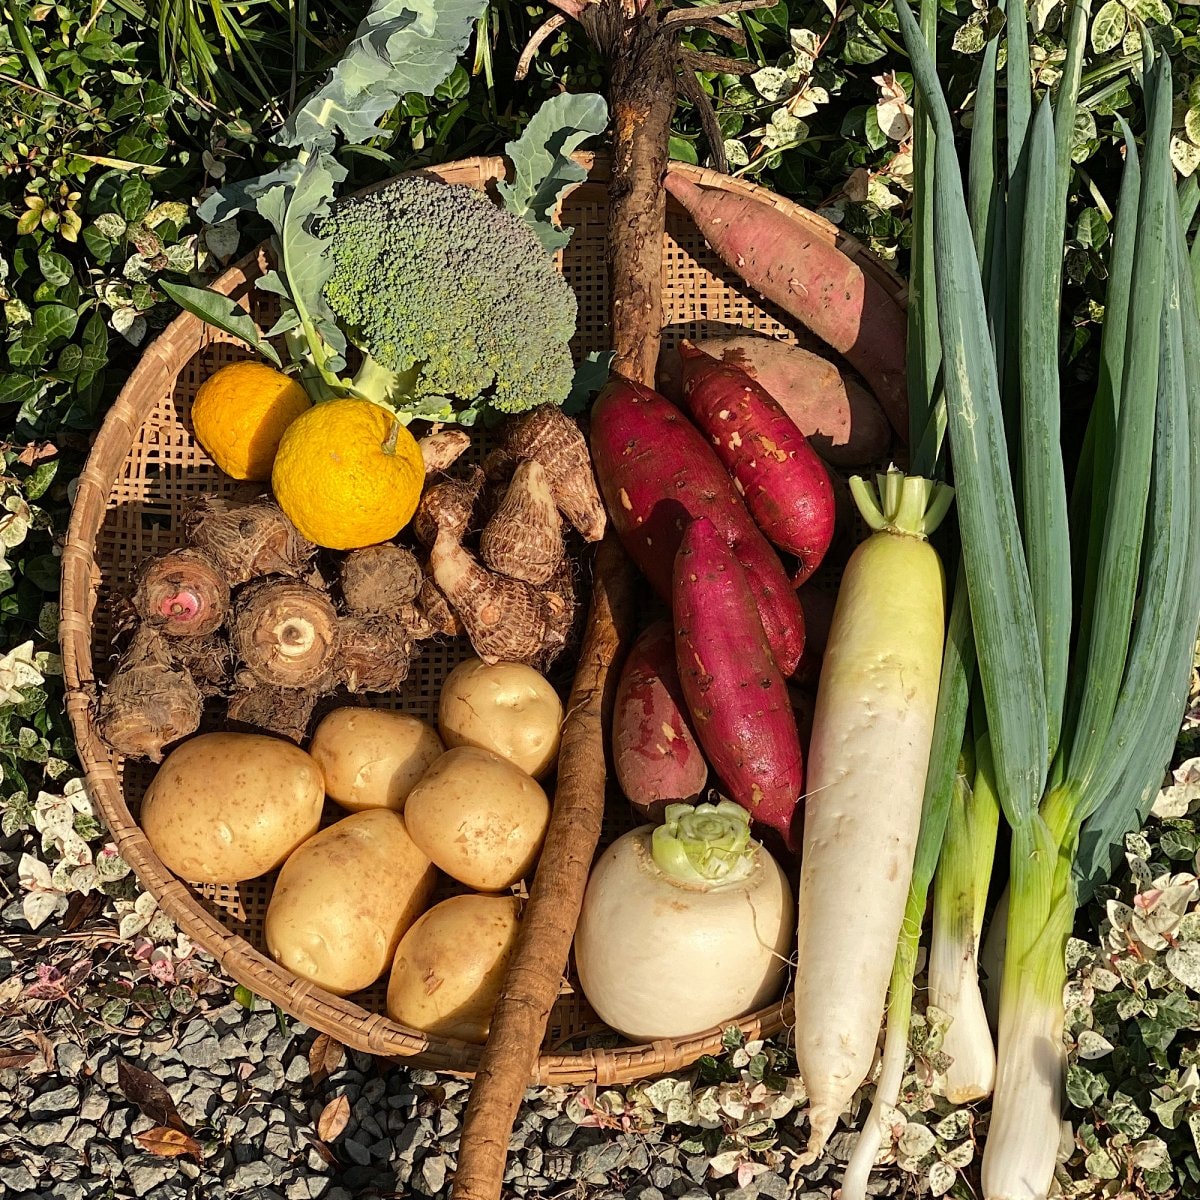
(374, 653)
(505, 619)
(523, 539)
(549, 437)
(448, 504)
(380, 579)
(256, 706)
(247, 540)
(149, 702)
(286, 633)
(440, 451)
(182, 594)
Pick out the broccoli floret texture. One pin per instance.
(437, 279)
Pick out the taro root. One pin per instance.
(258, 706)
(286, 633)
(447, 504)
(439, 451)
(209, 661)
(149, 702)
(182, 594)
(562, 613)
(547, 435)
(380, 579)
(247, 540)
(374, 653)
(436, 610)
(524, 539)
(504, 618)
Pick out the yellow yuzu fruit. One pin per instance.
(240, 413)
(348, 474)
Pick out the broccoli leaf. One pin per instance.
(542, 164)
(302, 258)
(238, 197)
(223, 313)
(401, 46)
(590, 376)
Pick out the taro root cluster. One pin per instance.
(251, 613)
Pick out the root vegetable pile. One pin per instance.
(251, 613)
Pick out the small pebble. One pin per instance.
(52, 1104)
(204, 1053)
(250, 1175)
(297, 1070)
(70, 1058)
(307, 1187)
(145, 1172)
(16, 1177)
(94, 1106)
(355, 1151)
(49, 1133)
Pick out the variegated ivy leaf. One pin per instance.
(14, 524)
(1191, 125)
(726, 1162)
(1040, 12)
(1185, 156)
(959, 1157)
(1183, 961)
(735, 153)
(1108, 26)
(941, 1178)
(804, 41)
(1091, 1045)
(915, 1143)
(772, 83)
(954, 1126)
(1152, 12)
(971, 35)
(17, 671)
(1177, 798)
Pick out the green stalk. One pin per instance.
(959, 899)
(1128, 798)
(20, 36)
(1090, 497)
(1121, 547)
(1047, 546)
(927, 418)
(1067, 100)
(1019, 113)
(1001, 600)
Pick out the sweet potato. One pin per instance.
(784, 484)
(655, 752)
(810, 279)
(736, 696)
(841, 419)
(657, 474)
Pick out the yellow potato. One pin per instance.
(479, 818)
(450, 965)
(371, 757)
(507, 708)
(225, 807)
(344, 899)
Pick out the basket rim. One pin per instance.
(339, 1017)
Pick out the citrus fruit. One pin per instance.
(348, 474)
(240, 413)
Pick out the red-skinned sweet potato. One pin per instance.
(655, 752)
(840, 418)
(657, 474)
(784, 484)
(737, 698)
(810, 279)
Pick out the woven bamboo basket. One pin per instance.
(143, 470)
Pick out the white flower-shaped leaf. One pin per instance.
(915, 1143)
(941, 1178)
(1184, 963)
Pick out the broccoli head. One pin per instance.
(453, 300)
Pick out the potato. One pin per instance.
(507, 708)
(371, 757)
(478, 817)
(450, 966)
(344, 899)
(225, 807)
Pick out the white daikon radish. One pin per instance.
(866, 776)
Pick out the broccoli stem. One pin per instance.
(378, 383)
(310, 375)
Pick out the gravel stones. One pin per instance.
(54, 1103)
(145, 1172)
(204, 1053)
